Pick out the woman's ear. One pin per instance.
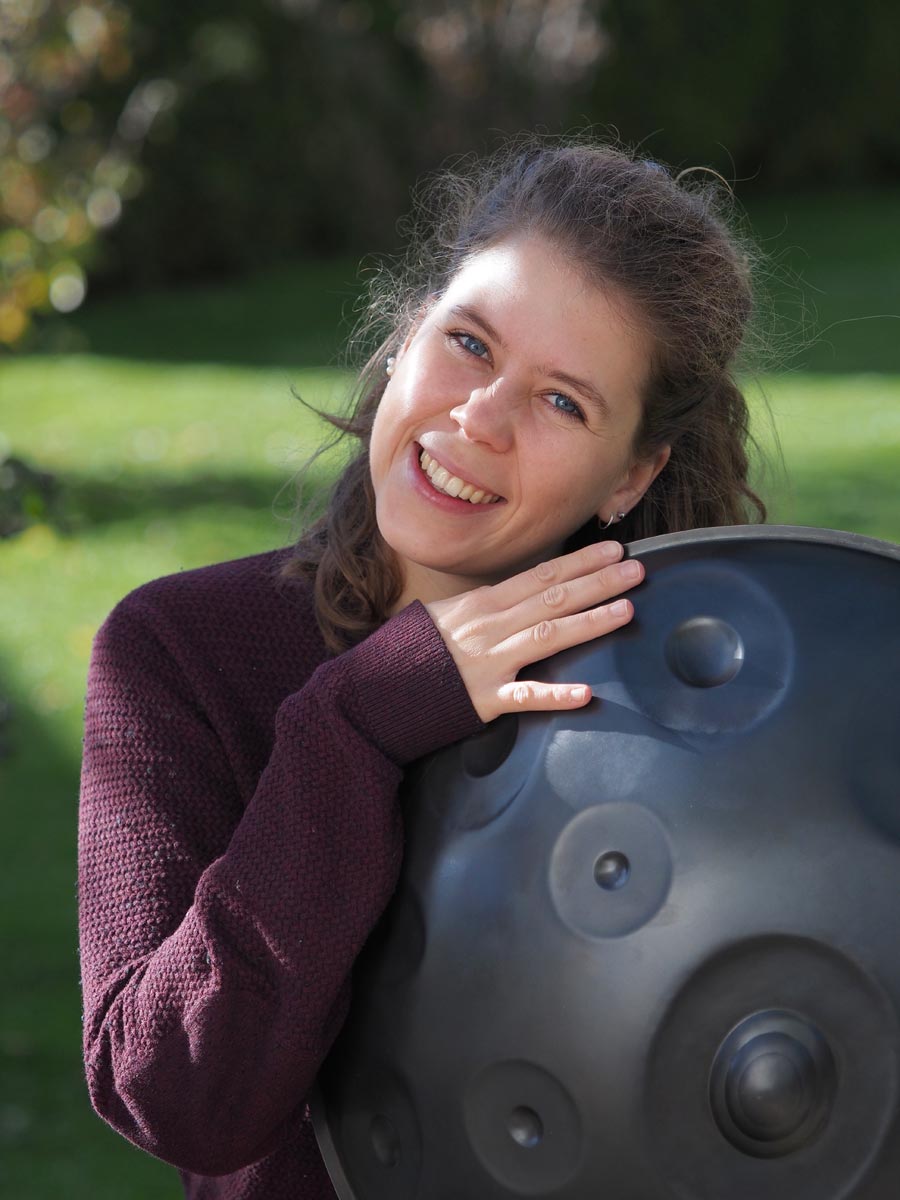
(640, 475)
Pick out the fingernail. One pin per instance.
(579, 694)
(619, 608)
(610, 549)
(630, 569)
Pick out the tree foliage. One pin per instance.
(234, 133)
(787, 94)
(64, 168)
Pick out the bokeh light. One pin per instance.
(64, 170)
(50, 224)
(67, 286)
(87, 27)
(104, 207)
(14, 321)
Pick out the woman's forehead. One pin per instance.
(513, 267)
(531, 277)
(530, 291)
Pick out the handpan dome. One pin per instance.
(650, 949)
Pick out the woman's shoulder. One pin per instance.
(243, 602)
(258, 577)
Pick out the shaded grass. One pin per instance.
(835, 266)
(292, 315)
(51, 1143)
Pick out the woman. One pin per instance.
(560, 364)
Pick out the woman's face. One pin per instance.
(508, 421)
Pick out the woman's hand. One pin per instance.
(493, 632)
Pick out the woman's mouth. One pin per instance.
(451, 485)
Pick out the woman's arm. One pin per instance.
(218, 934)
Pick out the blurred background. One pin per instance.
(186, 193)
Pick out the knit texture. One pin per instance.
(239, 837)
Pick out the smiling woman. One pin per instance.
(606, 288)
(477, 408)
(559, 361)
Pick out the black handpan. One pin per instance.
(650, 949)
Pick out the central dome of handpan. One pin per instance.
(650, 949)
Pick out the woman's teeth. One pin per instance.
(452, 485)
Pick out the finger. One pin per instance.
(544, 575)
(528, 695)
(550, 637)
(574, 595)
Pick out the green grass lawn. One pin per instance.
(172, 426)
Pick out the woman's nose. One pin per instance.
(487, 415)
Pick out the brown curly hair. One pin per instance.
(663, 241)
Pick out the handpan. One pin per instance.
(650, 949)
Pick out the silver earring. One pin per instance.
(613, 520)
(389, 365)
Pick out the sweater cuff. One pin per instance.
(406, 693)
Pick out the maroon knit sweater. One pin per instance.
(239, 837)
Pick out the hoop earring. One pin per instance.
(613, 520)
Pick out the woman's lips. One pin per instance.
(447, 483)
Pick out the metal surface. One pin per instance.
(650, 950)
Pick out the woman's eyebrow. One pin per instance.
(591, 393)
(473, 315)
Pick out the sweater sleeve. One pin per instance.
(218, 937)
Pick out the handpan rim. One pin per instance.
(319, 1118)
(725, 534)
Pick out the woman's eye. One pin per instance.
(473, 344)
(563, 404)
